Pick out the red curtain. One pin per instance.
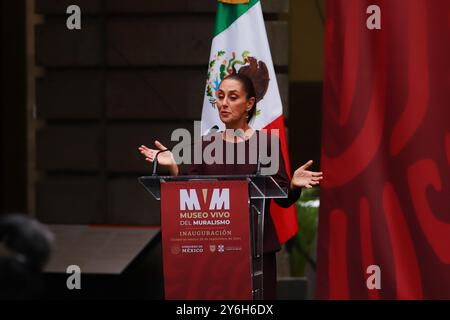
(385, 198)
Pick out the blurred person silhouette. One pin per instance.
(25, 247)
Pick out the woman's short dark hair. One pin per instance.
(249, 89)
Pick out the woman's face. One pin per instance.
(232, 102)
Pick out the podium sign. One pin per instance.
(205, 240)
(212, 233)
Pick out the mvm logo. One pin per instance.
(220, 199)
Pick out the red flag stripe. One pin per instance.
(284, 219)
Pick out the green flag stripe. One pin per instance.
(228, 13)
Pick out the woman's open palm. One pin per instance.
(165, 159)
(306, 178)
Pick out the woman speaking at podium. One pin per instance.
(236, 104)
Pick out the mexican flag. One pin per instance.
(240, 46)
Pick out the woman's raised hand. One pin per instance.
(165, 159)
(305, 178)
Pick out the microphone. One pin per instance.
(258, 165)
(213, 129)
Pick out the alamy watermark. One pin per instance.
(263, 148)
(373, 281)
(74, 280)
(73, 21)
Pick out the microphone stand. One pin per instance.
(155, 161)
(258, 163)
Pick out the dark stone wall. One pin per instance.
(134, 72)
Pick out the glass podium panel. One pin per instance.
(260, 186)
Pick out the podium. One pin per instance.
(241, 268)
